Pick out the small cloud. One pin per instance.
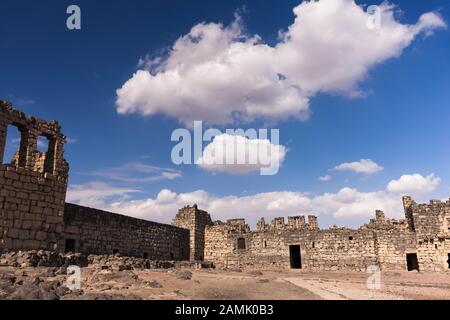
(14, 143)
(136, 172)
(42, 144)
(414, 184)
(95, 193)
(25, 102)
(70, 140)
(326, 177)
(367, 166)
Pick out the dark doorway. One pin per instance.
(145, 255)
(448, 261)
(295, 256)
(412, 262)
(115, 251)
(241, 243)
(70, 245)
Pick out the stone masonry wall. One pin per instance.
(101, 232)
(32, 185)
(434, 255)
(268, 247)
(340, 249)
(431, 220)
(431, 223)
(195, 220)
(393, 240)
(383, 242)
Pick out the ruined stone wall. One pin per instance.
(101, 232)
(340, 249)
(434, 255)
(383, 242)
(392, 247)
(393, 240)
(432, 230)
(268, 247)
(33, 215)
(32, 185)
(195, 220)
(218, 245)
(431, 220)
(221, 245)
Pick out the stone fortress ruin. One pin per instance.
(34, 215)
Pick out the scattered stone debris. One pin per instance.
(154, 284)
(119, 263)
(42, 258)
(255, 273)
(35, 288)
(184, 275)
(105, 296)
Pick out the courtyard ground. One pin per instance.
(175, 283)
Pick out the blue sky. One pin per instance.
(121, 162)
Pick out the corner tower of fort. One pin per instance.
(33, 184)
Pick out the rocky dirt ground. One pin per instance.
(40, 275)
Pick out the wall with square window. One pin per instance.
(32, 193)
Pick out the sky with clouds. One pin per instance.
(362, 112)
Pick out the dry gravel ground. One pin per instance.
(49, 283)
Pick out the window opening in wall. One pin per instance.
(45, 157)
(448, 261)
(241, 243)
(313, 244)
(145, 255)
(115, 251)
(12, 144)
(42, 144)
(411, 261)
(47, 145)
(350, 238)
(171, 256)
(70, 245)
(265, 244)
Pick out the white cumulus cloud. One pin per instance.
(351, 203)
(414, 184)
(239, 155)
(367, 166)
(222, 75)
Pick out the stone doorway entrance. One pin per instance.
(69, 245)
(412, 262)
(295, 256)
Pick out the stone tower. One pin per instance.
(32, 185)
(407, 208)
(195, 220)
